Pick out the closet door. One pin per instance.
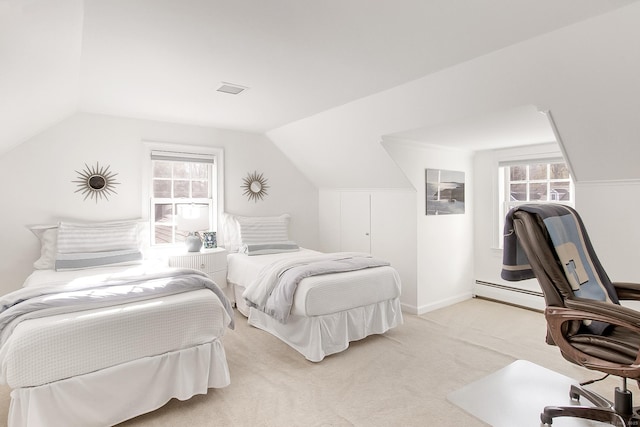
(355, 221)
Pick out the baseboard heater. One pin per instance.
(509, 288)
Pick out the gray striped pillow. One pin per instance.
(263, 229)
(98, 237)
(268, 248)
(80, 261)
(98, 244)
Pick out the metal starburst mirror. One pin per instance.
(255, 186)
(96, 182)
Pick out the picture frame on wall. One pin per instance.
(209, 240)
(444, 191)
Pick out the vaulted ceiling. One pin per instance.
(164, 59)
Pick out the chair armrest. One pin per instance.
(607, 312)
(627, 290)
(584, 309)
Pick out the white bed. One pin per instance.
(120, 341)
(328, 310)
(101, 366)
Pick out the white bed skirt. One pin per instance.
(319, 336)
(118, 393)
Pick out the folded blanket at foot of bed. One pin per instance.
(272, 291)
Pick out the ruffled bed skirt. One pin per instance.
(319, 336)
(121, 392)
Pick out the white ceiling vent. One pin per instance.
(231, 88)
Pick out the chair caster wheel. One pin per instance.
(545, 419)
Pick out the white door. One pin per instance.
(355, 221)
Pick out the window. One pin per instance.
(183, 195)
(534, 181)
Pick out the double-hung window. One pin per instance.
(183, 195)
(533, 181)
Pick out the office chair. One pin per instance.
(584, 317)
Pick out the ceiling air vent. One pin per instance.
(231, 88)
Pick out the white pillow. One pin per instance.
(48, 236)
(264, 229)
(230, 233)
(89, 245)
(98, 237)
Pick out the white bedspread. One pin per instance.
(273, 289)
(318, 295)
(328, 310)
(100, 291)
(114, 360)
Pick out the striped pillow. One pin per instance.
(268, 248)
(98, 237)
(263, 229)
(96, 244)
(83, 260)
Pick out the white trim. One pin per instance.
(510, 295)
(439, 304)
(182, 156)
(556, 133)
(608, 182)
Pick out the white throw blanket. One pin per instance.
(34, 302)
(272, 290)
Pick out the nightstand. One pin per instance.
(212, 262)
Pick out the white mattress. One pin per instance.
(324, 294)
(52, 348)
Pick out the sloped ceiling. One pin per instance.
(583, 74)
(164, 59)
(40, 51)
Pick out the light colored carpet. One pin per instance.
(400, 378)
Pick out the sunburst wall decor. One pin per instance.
(255, 186)
(96, 182)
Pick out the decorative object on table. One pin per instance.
(96, 182)
(444, 192)
(209, 238)
(255, 186)
(193, 242)
(192, 218)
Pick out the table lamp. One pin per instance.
(193, 218)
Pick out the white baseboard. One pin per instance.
(501, 293)
(515, 296)
(412, 309)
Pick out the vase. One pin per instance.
(193, 243)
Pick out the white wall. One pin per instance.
(444, 242)
(40, 44)
(36, 180)
(609, 211)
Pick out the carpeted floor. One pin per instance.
(401, 378)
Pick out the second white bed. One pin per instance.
(329, 310)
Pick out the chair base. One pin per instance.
(621, 414)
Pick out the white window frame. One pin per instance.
(177, 151)
(542, 153)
